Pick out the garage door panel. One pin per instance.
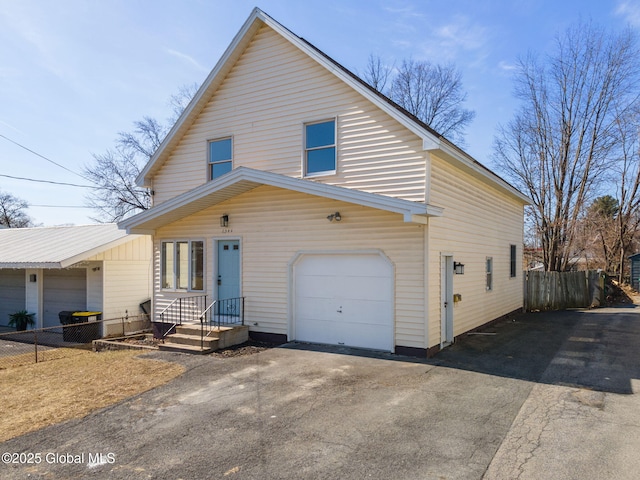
(345, 300)
(331, 286)
(63, 290)
(372, 313)
(12, 293)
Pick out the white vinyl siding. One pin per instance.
(275, 225)
(268, 95)
(478, 222)
(125, 281)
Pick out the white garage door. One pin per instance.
(344, 300)
(63, 290)
(12, 293)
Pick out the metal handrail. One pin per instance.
(168, 306)
(234, 302)
(191, 303)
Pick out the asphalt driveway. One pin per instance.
(543, 396)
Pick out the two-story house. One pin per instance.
(338, 217)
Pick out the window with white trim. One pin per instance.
(220, 157)
(182, 265)
(320, 148)
(489, 273)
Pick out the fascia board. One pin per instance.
(24, 265)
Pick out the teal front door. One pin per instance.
(228, 280)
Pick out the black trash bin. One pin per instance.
(80, 333)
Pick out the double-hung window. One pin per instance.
(182, 265)
(220, 157)
(489, 273)
(513, 265)
(320, 148)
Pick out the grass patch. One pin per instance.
(37, 395)
(43, 355)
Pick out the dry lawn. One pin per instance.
(41, 394)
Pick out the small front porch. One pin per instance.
(192, 325)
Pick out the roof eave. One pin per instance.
(247, 179)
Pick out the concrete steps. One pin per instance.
(187, 339)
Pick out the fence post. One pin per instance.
(35, 343)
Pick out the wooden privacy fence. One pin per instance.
(562, 290)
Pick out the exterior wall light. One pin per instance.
(458, 268)
(224, 221)
(334, 216)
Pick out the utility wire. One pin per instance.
(60, 206)
(43, 157)
(49, 181)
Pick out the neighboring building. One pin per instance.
(47, 270)
(635, 271)
(338, 216)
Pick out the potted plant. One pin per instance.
(21, 320)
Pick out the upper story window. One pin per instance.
(320, 147)
(220, 157)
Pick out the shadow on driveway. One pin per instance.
(594, 349)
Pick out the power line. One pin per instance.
(49, 181)
(60, 206)
(43, 157)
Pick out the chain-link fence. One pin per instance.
(42, 344)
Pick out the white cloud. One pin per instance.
(506, 66)
(630, 10)
(188, 59)
(462, 34)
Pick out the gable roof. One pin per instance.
(242, 179)
(57, 247)
(431, 140)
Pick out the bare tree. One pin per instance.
(12, 212)
(377, 73)
(626, 174)
(564, 136)
(179, 101)
(116, 170)
(433, 93)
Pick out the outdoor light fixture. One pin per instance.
(224, 220)
(334, 216)
(458, 268)
(33, 278)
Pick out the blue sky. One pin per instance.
(74, 73)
